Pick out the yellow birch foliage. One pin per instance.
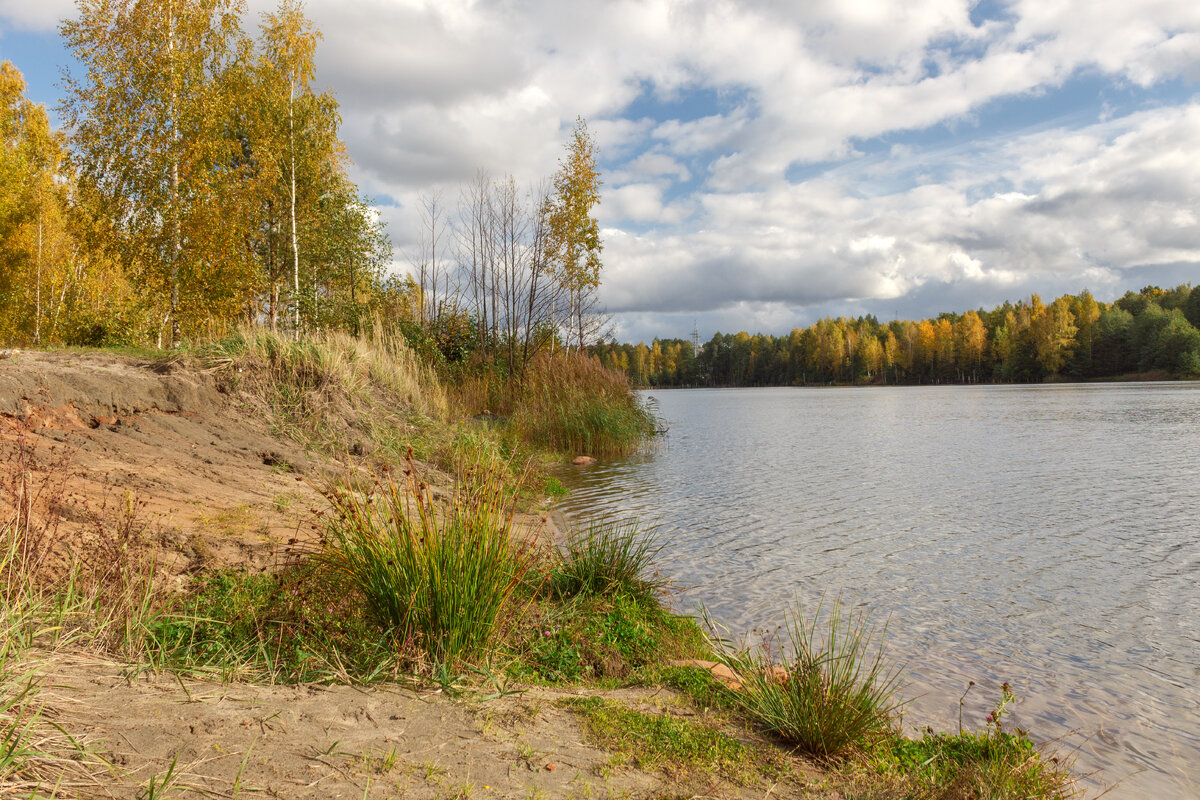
(153, 142)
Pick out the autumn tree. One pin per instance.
(33, 210)
(970, 344)
(149, 136)
(310, 210)
(1052, 331)
(574, 242)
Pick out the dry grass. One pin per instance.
(569, 403)
(333, 389)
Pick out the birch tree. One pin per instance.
(574, 234)
(289, 44)
(149, 137)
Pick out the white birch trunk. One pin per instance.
(295, 238)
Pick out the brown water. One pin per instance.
(1048, 536)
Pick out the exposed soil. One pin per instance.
(171, 451)
(205, 476)
(195, 461)
(342, 741)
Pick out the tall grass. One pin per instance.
(607, 558)
(38, 757)
(438, 578)
(572, 403)
(836, 690)
(568, 402)
(331, 372)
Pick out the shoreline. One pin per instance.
(227, 505)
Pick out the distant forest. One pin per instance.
(1075, 337)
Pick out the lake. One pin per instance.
(1048, 536)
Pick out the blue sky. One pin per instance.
(769, 163)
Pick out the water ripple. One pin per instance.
(1041, 535)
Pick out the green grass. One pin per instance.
(991, 764)
(660, 741)
(838, 692)
(611, 640)
(994, 763)
(295, 625)
(699, 685)
(607, 559)
(438, 579)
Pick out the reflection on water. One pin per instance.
(1041, 535)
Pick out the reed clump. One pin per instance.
(437, 576)
(836, 689)
(572, 403)
(567, 403)
(608, 558)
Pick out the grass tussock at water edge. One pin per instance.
(834, 688)
(567, 403)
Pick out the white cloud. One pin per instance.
(34, 15)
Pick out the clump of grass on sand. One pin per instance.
(38, 756)
(835, 691)
(660, 741)
(835, 696)
(437, 578)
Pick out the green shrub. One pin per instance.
(837, 691)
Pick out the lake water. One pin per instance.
(1048, 536)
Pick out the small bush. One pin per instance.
(837, 691)
(609, 558)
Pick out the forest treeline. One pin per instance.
(1074, 337)
(201, 183)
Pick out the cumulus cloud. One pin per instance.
(34, 16)
(779, 159)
